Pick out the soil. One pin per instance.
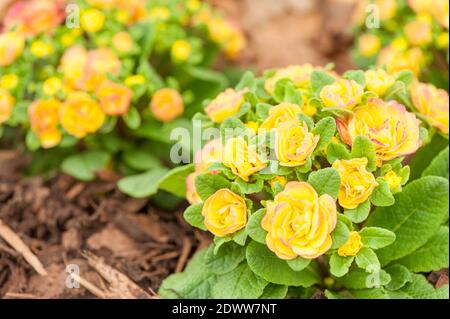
(123, 247)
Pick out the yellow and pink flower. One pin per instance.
(393, 130)
(299, 222)
(433, 104)
(6, 105)
(44, 120)
(34, 17)
(115, 99)
(11, 47)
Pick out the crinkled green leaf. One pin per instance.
(208, 184)
(376, 237)
(326, 181)
(254, 229)
(418, 212)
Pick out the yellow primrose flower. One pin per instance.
(31, 18)
(294, 144)
(159, 13)
(299, 222)
(133, 80)
(226, 104)
(357, 183)
(123, 16)
(67, 40)
(352, 246)
(343, 94)
(419, 32)
(421, 6)
(99, 64)
(242, 160)
(433, 104)
(388, 8)
(281, 180)
(6, 105)
(115, 99)
(369, 45)
(393, 180)
(396, 60)
(73, 64)
(379, 81)
(393, 130)
(11, 47)
(225, 213)
(281, 113)
(208, 155)
(253, 126)
(299, 74)
(441, 12)
(400, 44)
(181, 50)
(9, 81)
(193, 5)
(80, 114)
(41, 49)
(102, 4)
(44, 120)
(52, 86)
(191, 192)
(442, 40)
(122, 42)
(226, 34)
(92, 20)
(167, 104)
(309, 109)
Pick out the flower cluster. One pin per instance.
(304, 158)
(71, 70)
(404, 35)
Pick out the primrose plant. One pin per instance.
(306, 188)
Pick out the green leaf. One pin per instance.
(232, 127)
(420, 288)
(32, 141)
(439, 165)
(132, 119)
(193, 215)
(292, 94)
(431, 256)
(273, 291)
(195, 282)
(356, 75)
(247, 81)
(363, 147)
(142, 185)
(360, 213)
(405, 76)
(326, 181)
(84, 166)
(358, 278)
(340, 265)
(254, 229)
(175, 180)
(239, 283)
(339, 235)
(382, 195)
(418, 212)
(298, 263)
(228, 257)
(140, 159)
(240, 237)
(249, 187)
(326, 129)
(368, 260)
(208, 184)
(400, 276)
(426, 154)
(337, 151)
(376, 237)
(319, 79)
(262, 110)
(267, 265)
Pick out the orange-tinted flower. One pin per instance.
(167, 104)
(114, 98)
(44, 120)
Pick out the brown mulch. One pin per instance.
(60, 218)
